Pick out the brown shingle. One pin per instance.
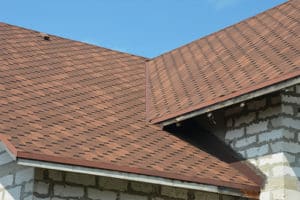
(69, 102)
(247, 56)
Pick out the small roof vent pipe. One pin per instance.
(45, 36)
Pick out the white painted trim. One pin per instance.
(129, 176)
(239, 99)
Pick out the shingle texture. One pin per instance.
(69, 102)
(247, 56)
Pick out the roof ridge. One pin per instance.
(73, 40)
(209, 34)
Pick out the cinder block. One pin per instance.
(68, 191)
(288, 109)
(174, 192)
(280, 146)
(39, 173)
(257, 127)
(283, 171)
(83, 179)
(227, 197)
(124, 196)
(233, 110)
(256, 104)
(275, 159)
(279, 194)
(292, 194)
(6, 181)
(271, 135)
(276, 100)
(277, 122)
(291, 123)
(246, 119)
(141, 187)
(13, 193)
(265, 195)
(30, 197)
(113, 184)
(41, 187)
(292, 182)
(206, 196)
(234, 134)
(29, 186)
(55, 175)
(96, 194)
(24, 175)
(298, 89)
(257, 151)
(270, 112)
(290, 99)
(245, 141)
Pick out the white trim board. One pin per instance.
(130, 177)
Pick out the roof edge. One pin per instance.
(82, 42)
(132, 170)
(170, 179)
(138, 177)
(264, 88)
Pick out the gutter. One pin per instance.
(135, 177)
(229, 102)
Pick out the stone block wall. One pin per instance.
(267, 133)
(16, 182)
(58, 185)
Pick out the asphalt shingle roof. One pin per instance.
(242, 58)
(68, 102)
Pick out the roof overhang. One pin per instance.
(135, 177)
(235, 100)
(127, 175)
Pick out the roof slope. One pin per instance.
(250, 55)
(69, 102)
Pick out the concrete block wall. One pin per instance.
(16, 182)
(266, 132)
(58, 185)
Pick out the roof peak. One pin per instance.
(52, 35)
(212, 33)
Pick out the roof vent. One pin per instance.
(45, 36)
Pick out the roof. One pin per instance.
(68, 102)
(253, 54)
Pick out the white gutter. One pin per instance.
(239, 99)
(129, 177)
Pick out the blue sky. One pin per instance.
(142, 27)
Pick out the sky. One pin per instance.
(143, 27)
